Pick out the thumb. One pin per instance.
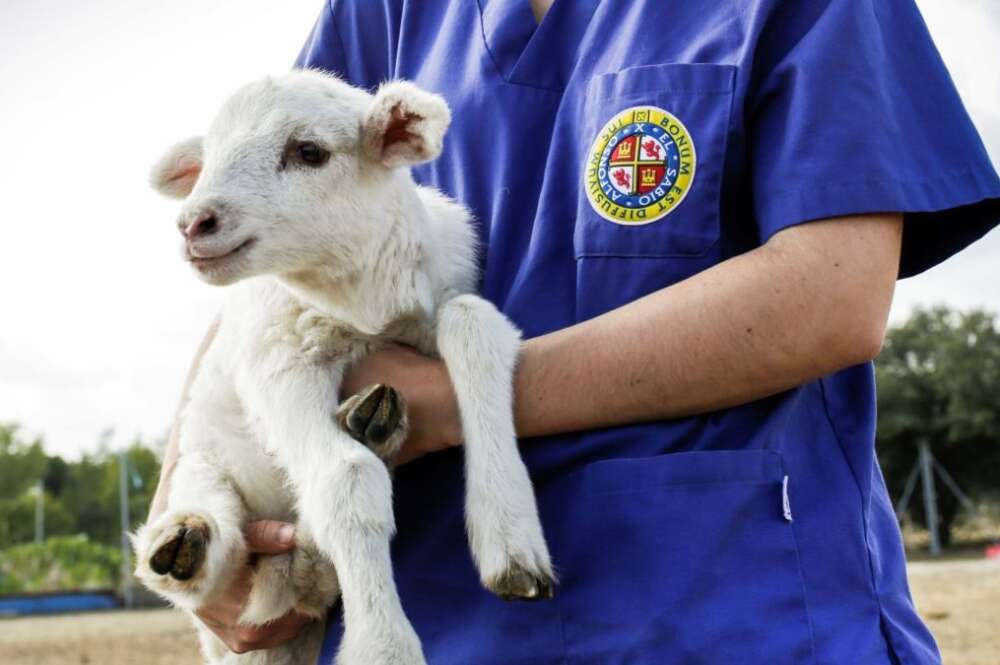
(270, 537)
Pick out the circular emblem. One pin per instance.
(640, 166)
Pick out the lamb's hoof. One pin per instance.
(182, 553)
(517, 583)
(374, 415)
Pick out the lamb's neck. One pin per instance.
(360, 300)
(384, 282)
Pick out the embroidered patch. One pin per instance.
(640, 166)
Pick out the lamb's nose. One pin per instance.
(205, 224)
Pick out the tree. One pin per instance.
(56, 472)
(22, 463)
(939, 377)
(80, 497)
(82, 519)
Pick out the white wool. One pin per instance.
(326, 263)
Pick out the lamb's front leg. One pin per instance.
(480, 346)
(377, 418)
(344, 497)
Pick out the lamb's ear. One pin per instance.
(404, 125)
(176, 172)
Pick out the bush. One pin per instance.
(60, 563)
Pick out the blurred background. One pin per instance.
(100, 318)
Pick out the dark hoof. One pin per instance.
(519, 584)
(182, 555)
(374, 415)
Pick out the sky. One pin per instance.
(99, 317)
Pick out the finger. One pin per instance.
(284, 630)
(251, 638)
(270, 537)
(406, 454)
(213, 624)
(224, 611)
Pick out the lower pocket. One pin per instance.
(682, 559)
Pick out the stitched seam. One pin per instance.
(670, 255)
(590, 23)
(890, 647)
(336, 32)
(802, 586)
(867, 182)
(562, 633)
(668, 485)
(711, 88)
(857, 482)
(725, 157)
(486, 41)
(659, 91)
(518, 84)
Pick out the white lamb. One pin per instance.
(301, 192)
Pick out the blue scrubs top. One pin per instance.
(618, 148)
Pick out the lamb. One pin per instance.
(300, 197)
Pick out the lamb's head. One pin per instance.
(299, 171)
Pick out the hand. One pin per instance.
(424, 383)
(222, 615)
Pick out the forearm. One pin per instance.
(801, 307)
(172, 454)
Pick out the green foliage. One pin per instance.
(21, 462)
(939, 378)
(80, 497)
(65, 562)
(17, 519)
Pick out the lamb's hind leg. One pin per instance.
(191, 551)
(480, 346)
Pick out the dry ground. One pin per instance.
(140, 637)
(960, 600)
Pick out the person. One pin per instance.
(696, 213)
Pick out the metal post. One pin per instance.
(125, 522)
(40, 511)
(911, 484)
(953, 486)
(930, 499)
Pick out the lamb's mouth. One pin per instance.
(202, 262)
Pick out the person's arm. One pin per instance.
(813, 300)
(262, 537)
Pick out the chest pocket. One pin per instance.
(653, 165)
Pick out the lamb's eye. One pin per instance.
(312, 154)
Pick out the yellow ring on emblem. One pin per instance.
(640, 167)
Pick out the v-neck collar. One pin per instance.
(527, 52)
